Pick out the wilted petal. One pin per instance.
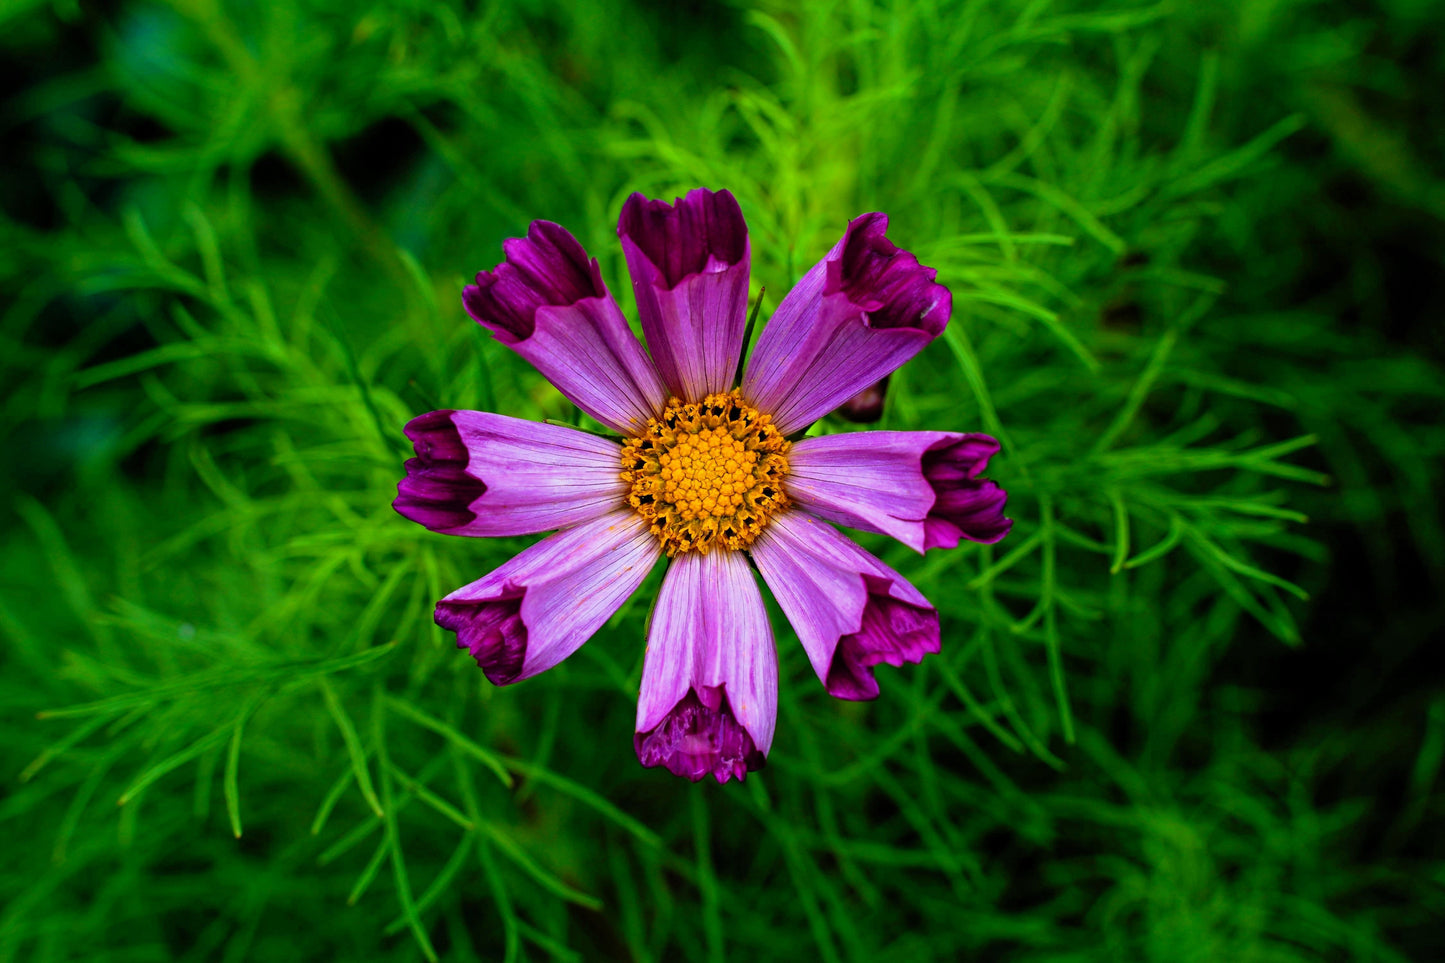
(689, 265)
(918, 486)
(437, 491)
(700, 737)
(850, 611)
(547, 267)
(547, 302)
(966, 506)
(856, 316)
(478, 473)
(709, 694)
(539, 607)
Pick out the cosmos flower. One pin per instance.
(715, 477)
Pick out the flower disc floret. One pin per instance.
(707, 474)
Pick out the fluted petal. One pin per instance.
(689, 264)
(547, 302)
(850, 611)
(539, 607)
(921, 487)
(854, 318)
(479, 473)
(965, 506)
(709, 695)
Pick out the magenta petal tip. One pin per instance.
(437, 492)
(886, 281)
(492, 630)
(893, 631)
(547, 267)
(696, 739)
(679, 239)
(965, 505)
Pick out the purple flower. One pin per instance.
(706, 474)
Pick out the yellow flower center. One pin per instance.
(707, 475)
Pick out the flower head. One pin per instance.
(713, 476)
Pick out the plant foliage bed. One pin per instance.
(1184, 712)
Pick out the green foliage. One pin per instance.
(232, 272)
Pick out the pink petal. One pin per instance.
(709, 694)
(966, 506)
(850, 611)
(918, 486)
(689, 265)
(539, 607)
(547, 302)
(855, 317)
(478, 473)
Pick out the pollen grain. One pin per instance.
(707, 474)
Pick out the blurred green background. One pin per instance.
(1186, 711)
